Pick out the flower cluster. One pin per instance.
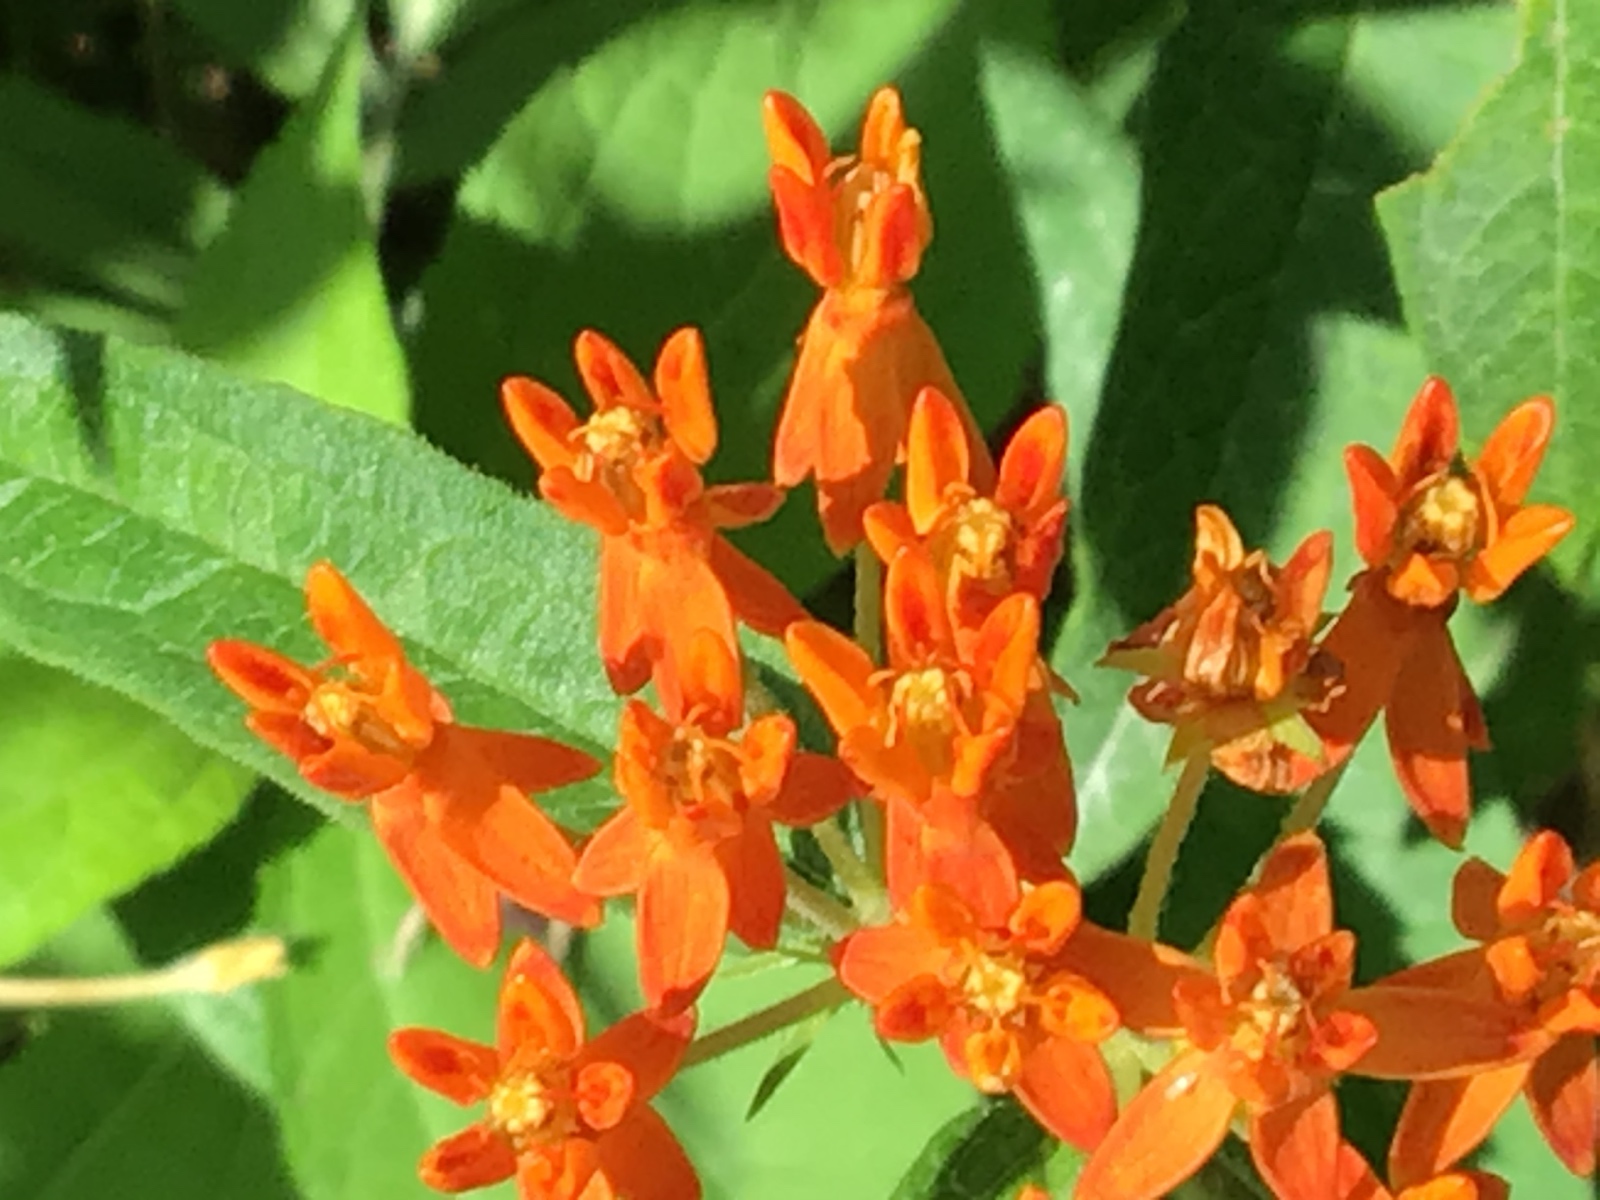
(947, 806)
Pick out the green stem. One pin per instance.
(1307, 810)
(869, 636)
(864, 885)
(820, 997)
(812, 904)
(1145, 915)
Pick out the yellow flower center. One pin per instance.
(531, 1109)
(994, 985)
(702, 773)
(925, 706)
(1567, 948)
(980, 539)
(340, 708)
(1444, 518)
(611, 444)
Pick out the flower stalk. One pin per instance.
(219, 968)
(1145, 915)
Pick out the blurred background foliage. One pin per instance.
(1158, 215)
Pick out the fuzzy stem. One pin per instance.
(864, 885)
(868, 627)
(812, 904)
(1145, 916)
(1307, 810)
(820, 997)
(216, 969)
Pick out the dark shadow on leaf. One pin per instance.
(84, 356)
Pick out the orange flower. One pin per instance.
(449, 802)
(1232, 666)
(569, 1120)
(1008, 1011)
(927, 733)
(694, 838)
(858, 225)
(1357, 1182)
(1540, 957)
(1430, 523)
(631, 472)
(1271, 1030)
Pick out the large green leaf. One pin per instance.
(95, 795)
(977, 1155)
(151, 503)
(1498, 254)
(291, 290)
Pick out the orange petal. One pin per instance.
(1005, 651)
(1473, 897)
(603, 1091)
(347, 768)
(1429, 436)
(1296, 1147)
(1564, 1096)
(538, 1007)
(1066, 1086)
(650, 1045)
(262, 678)
(1425, 1033)
(1427, 728)
(1374, 496)
(756, 887)
(509, 838)
(756, 595)
(1371, 638)
(614, 859)
(526, 761)
(920, 1008)
(815, 788)
(735, 505)
(835, 670)
(915, 617)
(1543, 867)
(1296, 899)
(1138, 975)
(609, 376)
(1047, 916)
(457, 1069)
(1033, 465)
(1174, 1124)
(643, 1160)
(883, 127)
(794, 140)
(874, 962)
(953, 847)
(1356, 1180)
(888, 528)
(1444, 1120)
(1526, 537)
(459, 900)
(563, 1170)
(543, 422)
(584, 501)
(343, 620)
(1512, 453)
(684, 388)
(892, 237)
(936, 457)
(805, 226)
(1303, 582)
(712, 682)
(1217, 546)
(1425, 582)
(682, 925)
(766, 750)
(289, 736)
(474, 1158)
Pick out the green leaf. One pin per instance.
(289, 43)
(82, 827)
(978, 1155)
(1498, 256)
(96, 207)
(799, 1041)
(127, 1101)
(291, 290)
(150, 504)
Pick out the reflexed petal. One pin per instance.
(1138, 975)
(835, 670)
(1296, 899)
(1511, 455)
(609, 376)
(1428, 735)
(757, 596)
(262, 678)
(756, 887)
(474, 1158)
(1574, 1011)
(565, 1170)
(1473, 900)
(623, 649)
(1429, 436)
(1373, 493)
(509, 838)
(649, 1045)
(526, 761)
(684, 390)
(584, 501)
(1564, 1096)
(954, 847)
(915, 617)
(457, 1069)
(1296, 1147)
(936, 457)
(1067, 1088)
(1543, 867)
(1356, 1180)
(1523, 540)
(613, 862)
(538, 1007)
(1444, 1120)
(459, 900)
(816, 787)
(1033, 464)
(543, 422)
(643, 1160)
(343, 620)
(1425, 1033)
(682, 925)
(1164, 1134)
(873, 962)
(1371, 638)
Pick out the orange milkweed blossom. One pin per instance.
(448, 802)
(858, 225)
(1539, 929)
(1270, 1030)
(569, 1119)
(632, 473)
(929, 732)
(1430, 523)
(1009, 1012)
(694, 838)
(1357, 1182)
(1232, 666)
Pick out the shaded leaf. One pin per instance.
(979, 1155)
(289, 43)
